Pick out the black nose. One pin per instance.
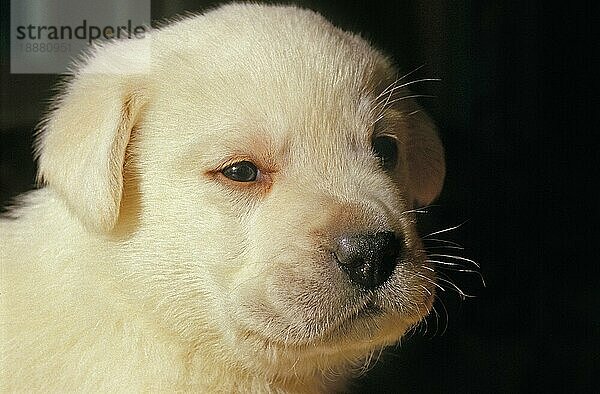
(368, 259)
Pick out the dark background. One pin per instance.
(516, 116)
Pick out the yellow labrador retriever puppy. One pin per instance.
(226, 208)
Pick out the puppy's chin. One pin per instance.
(338, 317)
(368, 329)
(342, 348)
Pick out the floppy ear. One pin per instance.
(81, 149)
(426, 163)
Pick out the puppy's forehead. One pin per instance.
(284, 70)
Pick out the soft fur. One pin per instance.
(140, 267)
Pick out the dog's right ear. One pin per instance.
(82, 143)
(426, 162)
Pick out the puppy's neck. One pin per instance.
(205, 376)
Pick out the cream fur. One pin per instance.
(137, 267)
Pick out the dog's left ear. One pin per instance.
(82, 144)
(426, 163)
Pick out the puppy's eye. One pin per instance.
(386, 150)
(244, 171)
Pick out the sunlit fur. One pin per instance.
(140, 267)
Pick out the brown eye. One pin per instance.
(244, 171)
(386, 150)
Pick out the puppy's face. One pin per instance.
(268, 186)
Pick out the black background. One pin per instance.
(516, 114)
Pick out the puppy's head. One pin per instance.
(271, 165)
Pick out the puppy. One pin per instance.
(227, 207)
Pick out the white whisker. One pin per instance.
(416, 210)
(444, 230)
(443, 262)
(426, 289)
(406, 84)
(390, 86)
(456, 258)
(442, 241)
(431, 281)
(410, 96)
(445, 314)
(445, 247)
(453, 286)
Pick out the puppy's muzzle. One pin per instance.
(369, 259)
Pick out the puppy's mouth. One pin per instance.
(365, 316)
(374, 317)
(370, 318)
(362, 325)
(337, 309)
